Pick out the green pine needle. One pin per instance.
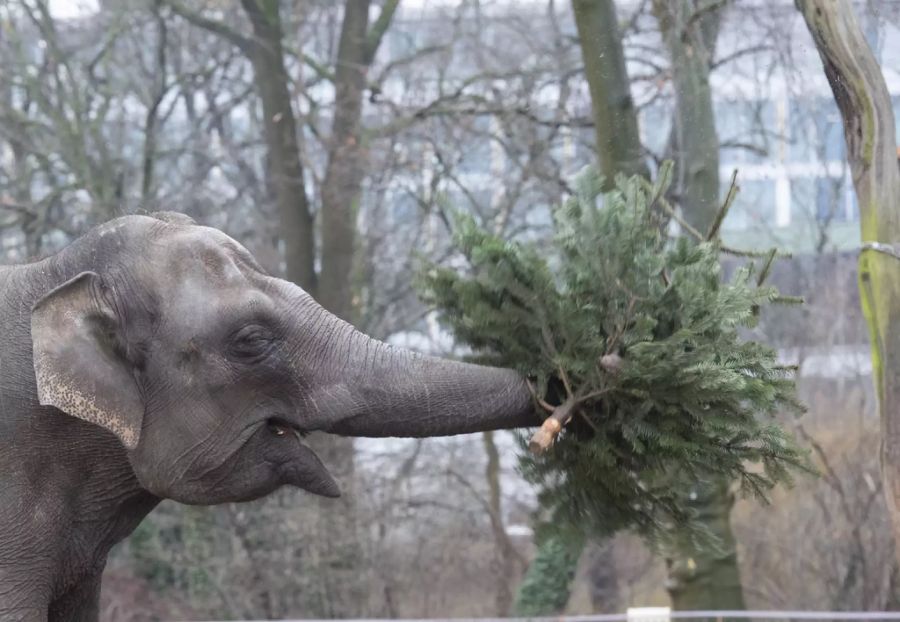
(690, 398)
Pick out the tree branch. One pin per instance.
(376, 32)
(246, 44)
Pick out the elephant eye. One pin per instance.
(251, 343)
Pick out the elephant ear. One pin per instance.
(80, 358)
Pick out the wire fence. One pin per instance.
(663, 614)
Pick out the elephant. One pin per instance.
(153, 358)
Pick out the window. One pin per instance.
(830, 203)
(746, 129)
(655, 125)
(872, 29)
(754, 206)
(895, 103)
(815, 131)
(825, 199)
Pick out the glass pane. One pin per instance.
(746, 130)
(754, 206)
(815, 131)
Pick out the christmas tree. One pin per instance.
(633, 344)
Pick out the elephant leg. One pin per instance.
(79, 604)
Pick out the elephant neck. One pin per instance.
(76, 495)
(5, 273)
(109, 507)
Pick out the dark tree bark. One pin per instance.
(285, 166)
(691, 41)
(341, 188)
(344, 172)
(341, 194)
(158, 92)
(619, 147)
(506, 556)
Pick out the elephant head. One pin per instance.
(210, 371)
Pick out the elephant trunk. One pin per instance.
(377, 390)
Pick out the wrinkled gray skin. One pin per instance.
(154, 359)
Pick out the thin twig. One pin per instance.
(879, 247)
(723, 211)
(548, 341)
(767, 267)
(694, 233)
(737, 252)
(548, 407)
(592, 395)
(565, 380)
(671, 211)
(788, 300)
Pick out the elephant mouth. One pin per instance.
(302, 468)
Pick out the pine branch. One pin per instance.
(632, 341)
(713, 232)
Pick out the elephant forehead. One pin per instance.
(209, 293)
(204, 257)
(204, 274)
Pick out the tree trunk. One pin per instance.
(706, 578)
(285, 168)
(865, 105)
(505, 554)
(619, 147)
(691, 43)
(344, 171)
(698, 577)
(346, 164)
(151, 118)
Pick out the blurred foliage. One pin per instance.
(545, 588)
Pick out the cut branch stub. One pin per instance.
(544, 438)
